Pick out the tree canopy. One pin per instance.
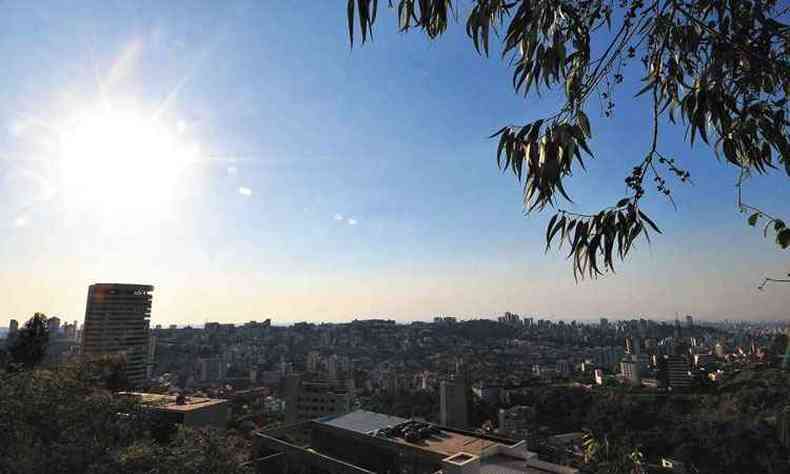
(721, 69)
(63, 420)
(29, 345)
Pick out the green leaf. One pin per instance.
(560, 226)
(649, 86)
(649, 221)
(753, 219)
(783, 238)
(623, 202)
(584, 123)
(350, 11)
(779, 225)
(548, 230)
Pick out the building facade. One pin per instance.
(630, 371)
(368, 442)
(116, 323)
(677, 377)
(452, 401)
(307, 400)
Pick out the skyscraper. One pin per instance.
(13, 327)
(116, 323)
(677, 368)
(452, 399)
(689, 321)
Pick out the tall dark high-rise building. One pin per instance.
(677, 373)
(13, 327)
(116, 322)
(452, 400)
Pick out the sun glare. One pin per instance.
(117, 160)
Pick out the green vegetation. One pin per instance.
(726, 430)
(58, 420)
(29, 345)
(67, 419)
(720, 68)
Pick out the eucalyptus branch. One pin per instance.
(767, 280)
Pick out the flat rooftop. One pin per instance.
(362, 421)
(168, 402)
(446, 443)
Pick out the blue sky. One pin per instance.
(328, 183)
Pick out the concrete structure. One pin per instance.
(13, 327)
(563, 367)
(211, 370)
(630, 370)
(677, 368)
(306, 400)
(364, 442)
(152, 339)
(703, 360)
(783, 426)
(189, 411)
(632, 346)
(452, 404)
(514, 422)
(598, 375)
(116, 322)
(313, 361)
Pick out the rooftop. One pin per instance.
(168, 402)
(362, 421)
(442, 441)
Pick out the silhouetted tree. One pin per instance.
(30, 343)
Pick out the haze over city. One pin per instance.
(199, 149)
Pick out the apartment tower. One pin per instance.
(116, 323)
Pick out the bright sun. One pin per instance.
(122, 160)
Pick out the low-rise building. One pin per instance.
(189, 411)
(306, 400)
(365, 442)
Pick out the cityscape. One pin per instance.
(395, 237)
(510, 394)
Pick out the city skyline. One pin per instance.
(298, 180)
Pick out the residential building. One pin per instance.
(514, 422)
(211, 369)
(677, 368)
(306, 400)
(13, 327)
(703, 360)
(151, 355)
(630, 370)
(453, 404)
(116, 323)
(598, 375)
(313, 361)
(189, 411)
(783, 426)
